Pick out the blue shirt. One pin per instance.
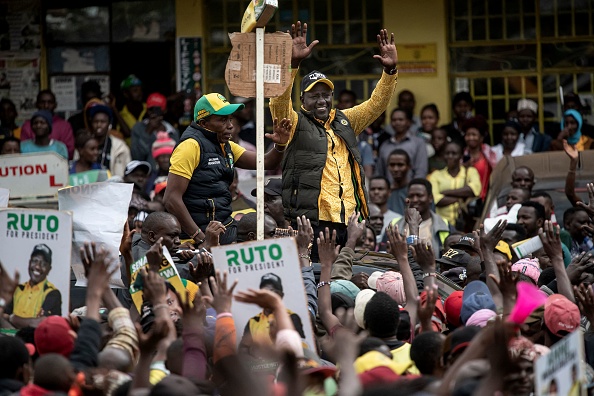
(29, 146)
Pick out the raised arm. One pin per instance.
(328, 252)
(574, 156)
(488, 242)
(551, 242)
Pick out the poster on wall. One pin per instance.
(417, 59)
(189, 64)
(67, 91)
(37, 243)
(20, 29)
(19, 81)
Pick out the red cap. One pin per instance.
(156, 100)
(53, 336)
(160, 186)
(453, 306)
(561, 316)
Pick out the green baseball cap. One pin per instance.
(214, 103)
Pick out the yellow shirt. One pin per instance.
(337, 165)
(441, 180)
(186, 157)
(129, 119)
(28, 300)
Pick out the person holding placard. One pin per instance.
(323, 175)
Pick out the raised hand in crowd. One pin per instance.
(589, 208)
(360, 279)
(154, 255)
(328, 252)
(204, 267)
(487, 243)
(574, 156)
(425, 257)
(148, 343)
(580, 269)
(413, 218)
(7, 287)
(550, 236)
(506, 283)
(304, 239)
(426, 309)
(154, 290)
(222, 295)
(355, 230)
(399, 248)
(213, 231)
(584, 295)
(126, 246)
(300, 48)
(99, 269)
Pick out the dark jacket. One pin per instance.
(208, 197)
(86, 347)
(304, 163)
(9, 386)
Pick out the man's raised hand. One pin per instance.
(300, 49)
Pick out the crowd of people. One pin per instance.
(443, 319)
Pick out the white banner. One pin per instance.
(37, 243)
(4, 197)
(99, 212)
(33, 175)
(259, 263)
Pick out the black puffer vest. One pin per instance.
(304, 162)
(208, 197)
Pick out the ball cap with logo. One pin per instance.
(467, 243)
(561, 316)
(273, 186)
(454, 258)
(214, 104)
(312, 79)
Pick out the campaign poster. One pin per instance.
(168, 271)
(560, 372)
(37, 243)
(99, 212)
(274, 264)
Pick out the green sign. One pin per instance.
(88, 177)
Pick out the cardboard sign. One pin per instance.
(251, 263)
(560, 372)
(37, 243)
(33, 175)
(99, 212)
(240, 73)
(167, 271)
(88, 177)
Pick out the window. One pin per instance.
(505, 50)
(346, 29)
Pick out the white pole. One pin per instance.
(260, 131)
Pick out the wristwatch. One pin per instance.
(393, 71)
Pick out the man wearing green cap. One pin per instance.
(323, 176)
(134, 108)
(201, 169)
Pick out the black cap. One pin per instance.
(43, 250)
(273, 186)
(312, 79)
(455, 258)
(273, 280)
(468, 241)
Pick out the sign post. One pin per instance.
(258, 13)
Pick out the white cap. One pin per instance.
(372, 280)
(527, 104)
(360, 303)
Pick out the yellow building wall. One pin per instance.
(422, 22)
(188, 18)
(412, 21)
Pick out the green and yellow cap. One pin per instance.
(214, 103)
